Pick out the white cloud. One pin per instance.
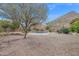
(51, 7)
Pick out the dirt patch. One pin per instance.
(46, 45)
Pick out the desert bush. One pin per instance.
(63, 30)
(49, 29)
(1, 29)
(13, 26)
(75, 26)
(4, 24)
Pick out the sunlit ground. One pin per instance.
(51, 44)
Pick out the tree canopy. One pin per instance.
(27, 14)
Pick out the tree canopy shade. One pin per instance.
(27, 14)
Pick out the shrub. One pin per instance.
(13, 26)
(59, 31)
(1, 29)
(72, 29)
(49, 29)
(63, 30)
(75, 26)
(4, 24)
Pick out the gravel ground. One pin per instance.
(53, 44)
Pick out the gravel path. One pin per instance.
(40, 45)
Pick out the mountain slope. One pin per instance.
(63, 20)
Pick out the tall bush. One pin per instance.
(13, 26)
(75, 26)
(4, 24)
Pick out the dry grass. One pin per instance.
(41, 45)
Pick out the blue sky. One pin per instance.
(58, 9)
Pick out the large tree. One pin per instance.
(27, 14)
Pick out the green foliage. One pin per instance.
(1, 29)
(15, 25)
(49, 29)
(25, 13)
(75, 26)
(4, 24)
(63, 30)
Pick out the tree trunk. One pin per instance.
(25, 35)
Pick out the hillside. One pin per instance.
(63, 20)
